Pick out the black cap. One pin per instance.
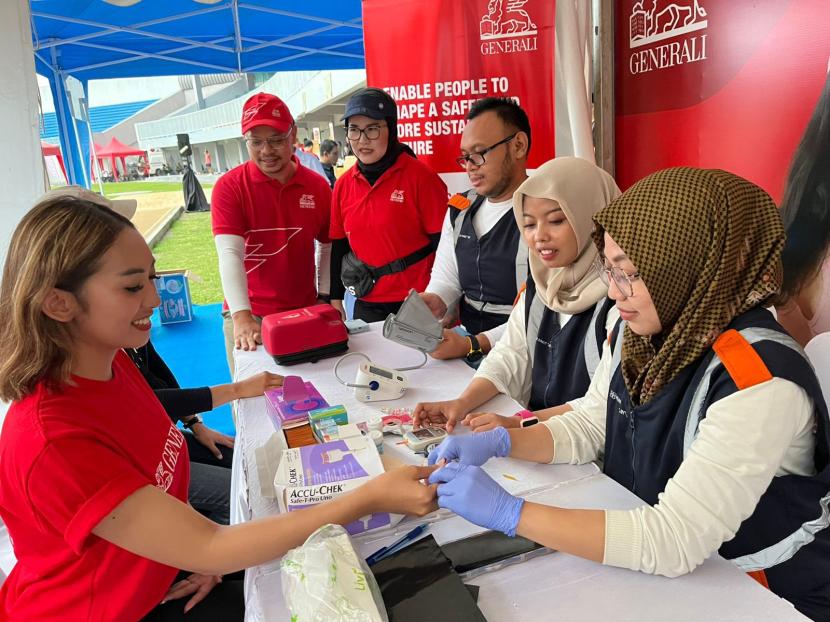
(372, 103)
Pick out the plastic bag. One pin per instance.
(325, 580)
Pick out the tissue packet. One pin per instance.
(315, 474)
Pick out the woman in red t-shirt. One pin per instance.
(93, 474)
(388, 207)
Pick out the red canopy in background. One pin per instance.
(49, 149)
(116, 149)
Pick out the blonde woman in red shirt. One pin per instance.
(93, 474)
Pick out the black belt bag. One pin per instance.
(359, 278)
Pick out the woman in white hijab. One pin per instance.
(559, 326)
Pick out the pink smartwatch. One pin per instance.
(526, 418)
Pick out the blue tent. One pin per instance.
(93, 39)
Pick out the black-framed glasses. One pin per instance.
(623, 280)
(371, 133)
(476, 158)
(274, 142)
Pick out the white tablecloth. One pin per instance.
(552, 587)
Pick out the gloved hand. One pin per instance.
(469, 492)
(475, 449)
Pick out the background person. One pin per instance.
(804, 305)
(480, 263)
(93, 474)
(210, 451)
(267, 214)
(559, 328)
(712, 415)
(386, 211)
(329, 154)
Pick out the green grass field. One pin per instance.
(189, 245)
(123, 187)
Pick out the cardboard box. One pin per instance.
(173, 287)
(315, 474)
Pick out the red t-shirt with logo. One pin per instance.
(279, 224)
(66, 461)
(390, 220)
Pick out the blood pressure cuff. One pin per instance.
(359, 278)
(418, 583)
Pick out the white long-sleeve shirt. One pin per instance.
(444, 280)
(508, 365)
(744, 440)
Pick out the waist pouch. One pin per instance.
(359, 278)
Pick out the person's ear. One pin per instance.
(520, 145)
(60, 305)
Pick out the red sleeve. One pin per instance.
(226, 210)
(432, 201)
(75, 483)
(336, 231)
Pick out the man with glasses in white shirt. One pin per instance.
(267, 214)
(481, 263)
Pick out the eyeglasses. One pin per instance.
(623, 280)
(274, 142)
(476, 158)
(371, 133)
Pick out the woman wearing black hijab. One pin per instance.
(386, 213)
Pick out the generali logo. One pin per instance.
(507, 28)
(652, 21)
(307, 201)
(397, 196)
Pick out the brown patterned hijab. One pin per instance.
(707, 244)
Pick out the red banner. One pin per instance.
(436, 57)
(717, 84)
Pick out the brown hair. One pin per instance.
(58, 244)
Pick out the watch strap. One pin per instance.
(191, 421)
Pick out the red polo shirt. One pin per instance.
(279, 224)
(67, 460)
(390, 220)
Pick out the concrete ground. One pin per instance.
(155, 209)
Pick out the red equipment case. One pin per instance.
(304, 335)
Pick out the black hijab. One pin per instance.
(378, 104)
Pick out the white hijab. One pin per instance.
(581, 189)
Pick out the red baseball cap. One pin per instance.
(266, 109)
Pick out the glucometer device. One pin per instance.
(423, 439)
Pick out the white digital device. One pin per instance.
(356, 326)
(423, 439)
(374, 383)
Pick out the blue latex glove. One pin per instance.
(475, 449)
(469, 492)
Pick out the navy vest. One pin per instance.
(486, 269)
(786, 535)
(564, 358)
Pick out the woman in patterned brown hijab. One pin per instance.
(707, 246)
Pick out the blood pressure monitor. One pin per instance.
(374, 383)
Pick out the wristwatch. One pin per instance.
(475, 354)
(191, 421)
(527, 418)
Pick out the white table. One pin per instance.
(556, 586)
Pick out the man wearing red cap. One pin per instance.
(267, 214)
